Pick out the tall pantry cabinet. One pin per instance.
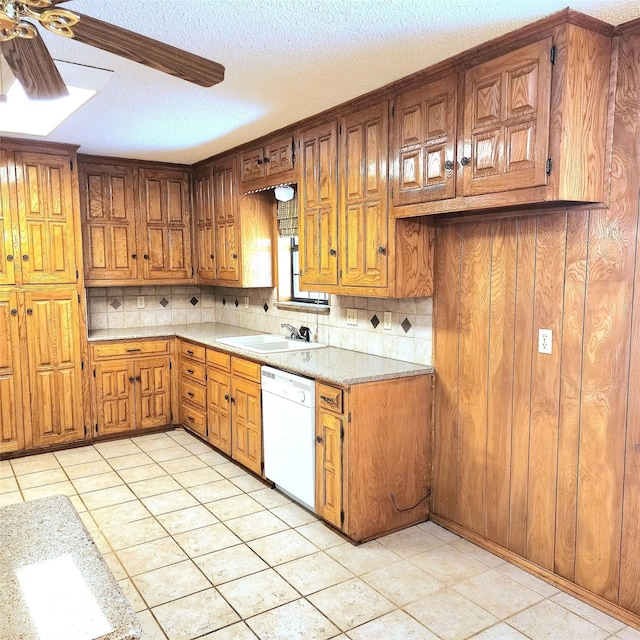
(42, 327)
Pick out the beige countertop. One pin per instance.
(340, 366)
(55, 584)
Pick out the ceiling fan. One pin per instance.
(32, 64)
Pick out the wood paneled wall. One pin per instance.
(537, 453)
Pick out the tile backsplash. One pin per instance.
(409, 338)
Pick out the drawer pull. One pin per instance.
(190, 419)
(190, 371)
(190, 352)
(190, 394)
(327, 399)
(133, 350)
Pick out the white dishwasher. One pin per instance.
(288, 427)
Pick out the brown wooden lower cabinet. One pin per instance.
(193, 388)
(131, 386)
(373, 455)
(41, 402)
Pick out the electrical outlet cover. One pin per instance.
(352, 316)
(545, 341)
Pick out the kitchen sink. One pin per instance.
(269, 343)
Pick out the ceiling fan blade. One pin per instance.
(154, 54)
(33, 66)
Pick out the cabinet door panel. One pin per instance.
(218, 395)
(153, 392)
(329, 468)
(319, 214)
(107, 203)
(252, 165)
(45, 204)
(226, 221)
(506, 121)
(8, 254)
(363, 206)
(204, 214)
(247, 425)
(424, 139)
(114, 397)
(11, 428)
(279, 157)
(53, 346)
(165, 225)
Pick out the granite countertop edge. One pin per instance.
(341, 366)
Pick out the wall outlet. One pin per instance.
(246, 302)
(545, 341)
(352, 317)
(387, 321)
(140, 302)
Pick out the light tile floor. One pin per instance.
(204, 550)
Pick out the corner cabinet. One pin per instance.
(520, 136)
(131, 385)
(373, 455)
(136, 223)
(234, 231)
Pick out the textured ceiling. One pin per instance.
(285, 60)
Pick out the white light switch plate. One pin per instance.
(545, 341)
(140, 302)
(352, 317)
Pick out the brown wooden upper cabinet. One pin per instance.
(233, 231)
(269, 164)
(38, 243)
(318, 193)
(136, 224)
(508, 130)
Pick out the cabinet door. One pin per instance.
(11, 429)
(218, 398)
(363, 203)
(424, 134)
(8, 254)
(153, 393)
(319, 207)
(46, 218)
(252, 165)
(506, 121)
(107, 204)
(226, 222)
(246, 424)
(278, 157)
(204, 215)
(54, 364)
(165, 225)
(114, 388)
(329, 467)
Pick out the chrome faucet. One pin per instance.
(293, 332)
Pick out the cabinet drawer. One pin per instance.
(330, 398)
(193, 351)
(130, 349)
(219, 359)
(193, 392)
(246, 369)
(192, 369)
(193, 419)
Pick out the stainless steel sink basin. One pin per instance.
(269, 343)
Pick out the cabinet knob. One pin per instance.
(333, 252)
(190, 371)
(134, 256)
(234, 256)
(267, 160)
(382, 250)
(233, 400)
(10, 258)
(138, 378)
(25, 257)
(190, 394)
(14, 312)
(449, 165)
(132, 379)
(319, 439)
(465, 161)
(29, 312)
(211, 256)
(190, 352)
(146, 256)
(226, 397)
(190, 419)
(258, 161)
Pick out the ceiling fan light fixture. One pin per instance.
(14, 25)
